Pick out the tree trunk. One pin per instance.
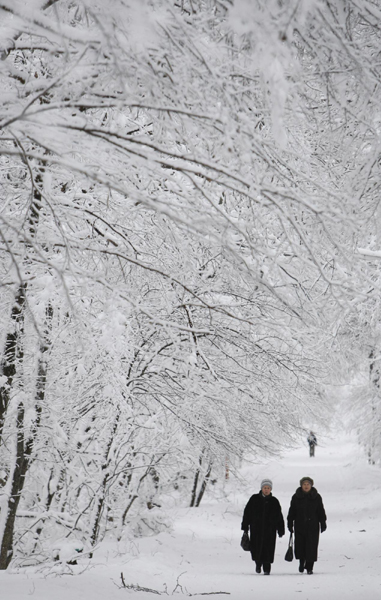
(13, 347)
(12, 352)
(103, 491)
(374, 374)
(197, 497)
(18, 479)
(194, 489)
(204, 484)
(24, 449)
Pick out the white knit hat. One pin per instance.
(267, 482)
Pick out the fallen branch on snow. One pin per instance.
(137, 588)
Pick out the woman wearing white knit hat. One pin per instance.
(263, 517)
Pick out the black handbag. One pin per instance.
(290, 550)
(245, 541)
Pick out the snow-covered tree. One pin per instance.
(185, 185)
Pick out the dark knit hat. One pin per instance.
(306, 479)
(267, 482)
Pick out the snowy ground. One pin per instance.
(202, 554)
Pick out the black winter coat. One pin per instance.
(304, 516)
(263, 516)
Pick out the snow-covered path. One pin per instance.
(349, 563)
(202, 553)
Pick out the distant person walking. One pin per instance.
(312, 442)
(263, 516)
(305, 515)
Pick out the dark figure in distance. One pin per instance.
(305, 516)
(263, 516)
(312, 442)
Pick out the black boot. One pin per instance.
(266, 568)
(257, 567)
(310, 567)
(301, 565)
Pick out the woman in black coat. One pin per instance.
(305, 516)
(263, 516)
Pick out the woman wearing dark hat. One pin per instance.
(304, 517)
(263, 516)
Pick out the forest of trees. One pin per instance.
(189, 249)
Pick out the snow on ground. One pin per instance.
(202, 553)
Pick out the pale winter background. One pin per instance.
(190, 253)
